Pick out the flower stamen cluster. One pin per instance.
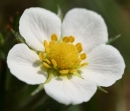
(62, 55)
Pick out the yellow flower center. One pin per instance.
(62, 55)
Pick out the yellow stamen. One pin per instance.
(46, 65)
(52, 43)
(78, 61)
(79, 49)
(47, 61)
(45, 43)
(78, 45)
(64, 71)
(66, 39)
(54, 62)
(71, 39)
(73, 70)
(41, 56)
(83, 56)
(54, 37)
(47, 49)
(63, 56)
(84, 64)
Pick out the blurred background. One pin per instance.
(15, 95)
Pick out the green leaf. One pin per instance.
(18, 36)
(113, 39)
(101, 89)
(59, 13)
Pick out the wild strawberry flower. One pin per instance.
(71, 57)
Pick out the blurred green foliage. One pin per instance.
(15, 95)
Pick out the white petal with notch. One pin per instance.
(86, 26)
(37, 25)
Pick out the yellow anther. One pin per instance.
(41, 56)
(47, 61)
(51, 43)
(47, 49)
(64, 71)
(66, 39)
(78, 61)
(84, 64)
(45, 43)
(54, 37)
(71, 39)
(79, 49)
(73, 70)
(78, 45)
(83, 56)
(54, 62)
(46, 65)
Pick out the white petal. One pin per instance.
(37, 25)
(86, 26)
(70, 91)
(25, 65)
(105, 66)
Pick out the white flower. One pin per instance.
(74, 52)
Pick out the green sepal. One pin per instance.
(59, 12)
(22, 40)
(78, 75)
(51, 74)
(40, 87)
(18, 36)
(113, 39)
(101, 89)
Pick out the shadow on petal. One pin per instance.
(59, 79)
(37, 63)
(43, 73)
